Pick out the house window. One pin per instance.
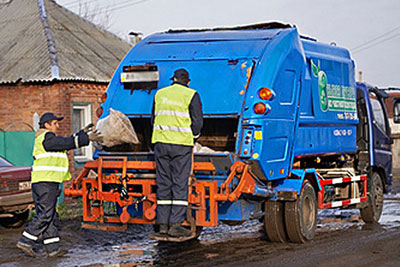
(81, 116)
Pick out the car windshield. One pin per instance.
(4, 163)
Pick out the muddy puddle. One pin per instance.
(140, 251)
(98, 248)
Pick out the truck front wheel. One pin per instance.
(301, 215)
(372, 213)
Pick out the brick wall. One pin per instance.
(20, 102)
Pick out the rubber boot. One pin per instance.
(162, 232)
(177, 230)
(163, 229)
(56, 253)
(29, 248)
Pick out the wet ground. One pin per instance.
(342, 239)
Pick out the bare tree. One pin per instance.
(98, 15)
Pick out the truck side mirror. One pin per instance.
(396, 111)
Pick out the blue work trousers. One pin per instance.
(173, 166)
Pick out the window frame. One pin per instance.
(86, 107)
(376, 120)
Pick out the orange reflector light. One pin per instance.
(282, 171)
(99, 111)
(271, 172)
(103, 98)
(260, 108)
(265, 94)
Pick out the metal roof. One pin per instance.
(42, 41)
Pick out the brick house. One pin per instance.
(53, 60)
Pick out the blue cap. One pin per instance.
(48, 116)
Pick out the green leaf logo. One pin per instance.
(323, 96)
(314, 68)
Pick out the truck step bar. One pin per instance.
(356, 197)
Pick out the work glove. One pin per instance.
(196, 137)
(96, 136)
(88, 128)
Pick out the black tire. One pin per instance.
(372, 213)
(274, 223)
(16, 221)
(301, 215)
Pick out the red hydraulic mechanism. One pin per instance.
(203, 195)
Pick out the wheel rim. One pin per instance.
(308, 212)
(378, 198)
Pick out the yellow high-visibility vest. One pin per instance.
(172, 119)
(49, 166)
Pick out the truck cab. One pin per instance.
(373, 133)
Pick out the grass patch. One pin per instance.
(70, 211)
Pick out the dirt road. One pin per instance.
(341, 240)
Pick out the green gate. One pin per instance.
(17, 146)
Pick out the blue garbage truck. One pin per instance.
(287, 129)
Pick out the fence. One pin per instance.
(17, 146)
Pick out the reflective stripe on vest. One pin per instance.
(48, 166)
(173, 113)
(172, 119)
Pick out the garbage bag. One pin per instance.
(116, 129)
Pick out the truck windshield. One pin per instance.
(379, 115)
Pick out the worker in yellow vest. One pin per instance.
(177, 120)
(50, 168)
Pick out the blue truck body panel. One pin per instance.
(313, 111)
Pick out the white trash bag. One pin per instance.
(116, 129)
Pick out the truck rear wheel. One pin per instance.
(274, 223)
(372, 213)
(301, 215)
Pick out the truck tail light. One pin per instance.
(261, 108)
(103, 98)
(266, 94)
(99, 111)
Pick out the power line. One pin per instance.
(375, 41)
(375, 38)
(375, 44)
(122, 5)
(73, 3)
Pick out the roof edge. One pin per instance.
(53, 80)
(55, 71)
(257, 26)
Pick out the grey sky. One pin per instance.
(348, 23)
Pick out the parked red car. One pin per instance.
(15, 194)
